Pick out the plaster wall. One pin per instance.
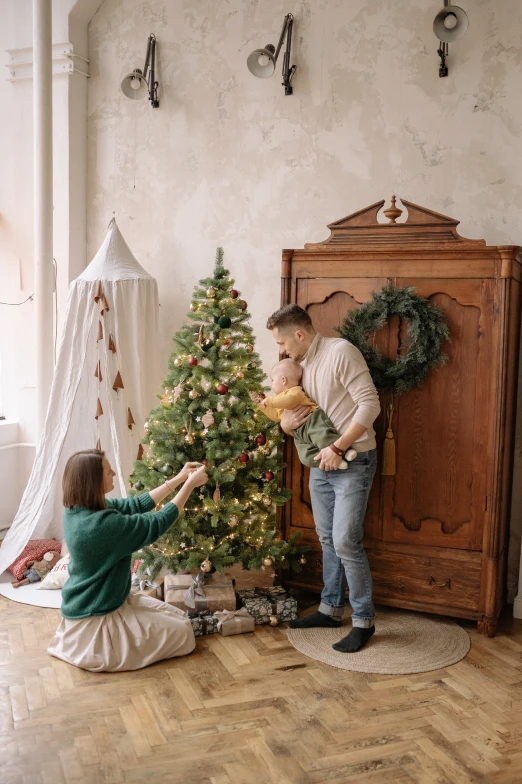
(228, 160)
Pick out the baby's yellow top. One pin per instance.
(274, 407)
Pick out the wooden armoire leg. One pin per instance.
(487, 626)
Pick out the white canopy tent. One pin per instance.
(106, 377)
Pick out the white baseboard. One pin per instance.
(517, 607)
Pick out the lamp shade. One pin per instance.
(261, 62)
(450, 24)
(134, 86)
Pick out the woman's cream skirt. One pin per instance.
(140, 632)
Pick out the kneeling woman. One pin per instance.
(104, 627)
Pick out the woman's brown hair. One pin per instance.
(83, 480)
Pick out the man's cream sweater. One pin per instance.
(336, 376)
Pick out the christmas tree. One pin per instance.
(207, 415)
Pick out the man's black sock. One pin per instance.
(316, 619)
(354, 641)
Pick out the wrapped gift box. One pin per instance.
(140, 583)
(234, 622)
(204, 623)
(264, 603)
(200, 592)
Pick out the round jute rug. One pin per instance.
(403, 643)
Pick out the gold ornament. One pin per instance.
(234, 520)
(250, 348)
(205, 565)
(177, 361)
(189, 438)
(193, 394)
(267, 501)
(302, 560)
(240, 374)
(211, 292)
(274, 620)
(166, 400)
(267, 561)
(193, 307)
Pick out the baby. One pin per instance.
(318, 431)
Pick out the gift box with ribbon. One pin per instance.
(196, 593)
(234, 622)
(141, 583)
(204, 623)
(269, 605)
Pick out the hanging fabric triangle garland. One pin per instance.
(118, 383)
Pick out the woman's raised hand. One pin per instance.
(185, 472)
(198, 477)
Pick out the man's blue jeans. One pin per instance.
(339, 500)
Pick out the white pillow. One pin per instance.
(58, 575)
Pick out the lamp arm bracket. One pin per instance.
(288, 18)
(443, 52)
(152, 38)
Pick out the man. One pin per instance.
(336, 377)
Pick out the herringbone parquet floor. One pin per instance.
(249, 709)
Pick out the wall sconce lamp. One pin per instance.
(262, 62)
(136, 84)
(449, 25)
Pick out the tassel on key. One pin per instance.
(388, 452)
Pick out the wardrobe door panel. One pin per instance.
(438, 495)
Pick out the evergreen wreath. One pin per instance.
(427, 331)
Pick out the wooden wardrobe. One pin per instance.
(437, 531)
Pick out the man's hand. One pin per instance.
(294, 418)
(328, 460)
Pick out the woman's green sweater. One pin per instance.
(101, 545)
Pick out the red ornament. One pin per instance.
(269, 476)
(260, 439)
(193, 361)
(222, 389)
(205, 462)
(242, 304)
(234, 294)
(243, 458)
